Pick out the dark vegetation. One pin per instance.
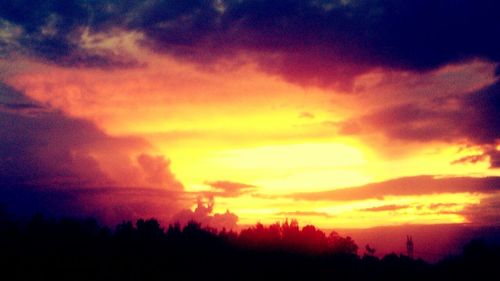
(70, 249)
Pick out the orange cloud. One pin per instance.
(296, 214)
(385, 208)
(417, 185)
(230, 189)
(157, 170)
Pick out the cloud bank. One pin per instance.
(408, 186)
(310, 42)
(471, 118)
(55, 164)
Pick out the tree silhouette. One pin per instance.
(63, 249)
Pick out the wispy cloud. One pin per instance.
(229, 188)
(418, 185)
(304, 213)
(385, 208)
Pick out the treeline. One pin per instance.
(70, 249)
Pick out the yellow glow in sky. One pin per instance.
(245, 126)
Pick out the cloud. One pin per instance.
(487, 212)
(110, 205)
(437, 206)
(54, 32)
(473, 118)
(490, 153)
(230, 189)
(60, 165)
(309, 42)
(407, 186)
(203, 214)
(158, 173)
(50, 148)
(306, 115)
(304, 213)
(27, 108)
(385, 208)
(13, 102)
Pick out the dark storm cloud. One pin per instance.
(64, 166)
(473, 118)
(38, 147)
(320, 42)
(111, 205)
(50, 148)
(408, 186)
(487, 212)
(52, 31)
(12, 102)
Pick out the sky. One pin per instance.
(341, 114)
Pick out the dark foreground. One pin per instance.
(81, 250)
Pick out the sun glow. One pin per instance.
(244, 126)
(391, 210)
(281, 168)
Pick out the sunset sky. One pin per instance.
(341, 113)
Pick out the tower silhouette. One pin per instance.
(409, 246)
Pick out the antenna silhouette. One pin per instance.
(409, 246)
